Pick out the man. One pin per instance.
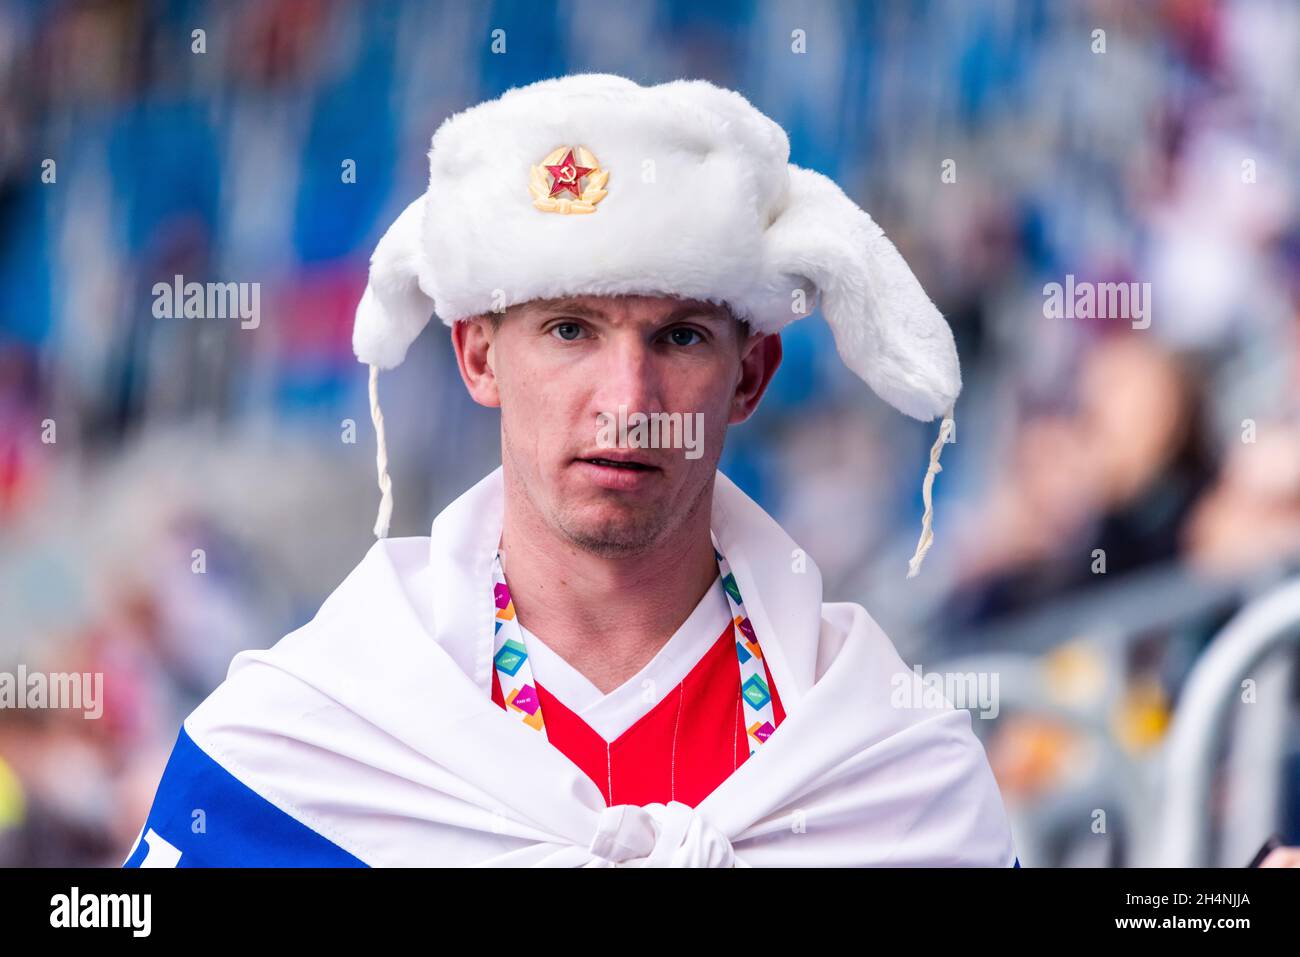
(604, 653)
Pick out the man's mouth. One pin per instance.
(619, 471)
(616, 464)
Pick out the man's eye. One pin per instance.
(681, 336)
(568, 331)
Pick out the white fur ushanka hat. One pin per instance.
(592, 184)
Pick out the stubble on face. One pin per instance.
(635, 532)
(628, 531)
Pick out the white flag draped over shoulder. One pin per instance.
(368, 737)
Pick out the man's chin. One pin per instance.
(611, 530)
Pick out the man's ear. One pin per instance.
(473, 342)
(758, 363)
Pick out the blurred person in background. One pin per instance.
(1113, 481)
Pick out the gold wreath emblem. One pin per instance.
(591, 194)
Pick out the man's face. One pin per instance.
(584, 384)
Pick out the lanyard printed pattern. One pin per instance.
(510, 657)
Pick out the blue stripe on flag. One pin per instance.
(203, 816)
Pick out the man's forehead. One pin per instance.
(630, 307)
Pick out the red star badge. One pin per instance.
(567, 174)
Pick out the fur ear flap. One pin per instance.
(392, 311)
(394, 307)
(886, 328)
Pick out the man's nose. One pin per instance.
(629, 377)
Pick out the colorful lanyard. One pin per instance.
(510, 656)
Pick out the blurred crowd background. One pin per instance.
(1163, 150)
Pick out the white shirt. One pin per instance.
(609, 715)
